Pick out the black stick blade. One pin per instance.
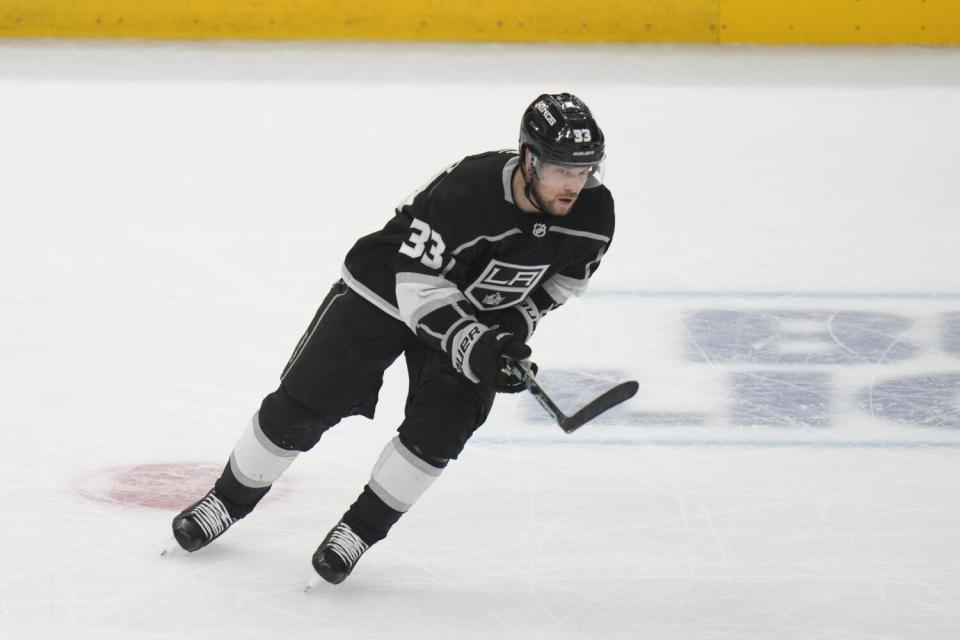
(620, 393)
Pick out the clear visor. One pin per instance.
(578, 176)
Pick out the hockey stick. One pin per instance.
(607, 400)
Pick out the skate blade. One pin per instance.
(171, 548)
(314, 581)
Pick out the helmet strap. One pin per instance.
(528, 184)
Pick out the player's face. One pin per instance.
(558, 186)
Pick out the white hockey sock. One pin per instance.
(256, 462)
(399, 477)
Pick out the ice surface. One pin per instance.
(783, 285)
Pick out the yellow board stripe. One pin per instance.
(704, 21)
(934, 22)
(437, 20)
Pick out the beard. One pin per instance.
(559, 204)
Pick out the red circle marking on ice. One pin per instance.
(166, 485)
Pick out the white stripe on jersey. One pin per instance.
(419, 295)
(562, 288)
(470, 243)
(592, 266)
(505, 234)
(368, 295)
(582, 234)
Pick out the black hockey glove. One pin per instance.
(520, 319)
(491, 357)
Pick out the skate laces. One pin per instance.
(212, 516)
(346, 544)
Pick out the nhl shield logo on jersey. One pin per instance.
(503, 284)
(539, 230)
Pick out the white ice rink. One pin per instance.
(783, 284)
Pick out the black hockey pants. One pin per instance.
(337, 371)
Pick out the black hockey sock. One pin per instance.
(370, 518)
(238, 498)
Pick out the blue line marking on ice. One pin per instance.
(825, 295)
(720, 443)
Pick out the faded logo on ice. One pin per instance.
(810, 370)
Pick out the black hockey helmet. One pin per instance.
(559, 128)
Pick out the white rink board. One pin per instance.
(782, 284)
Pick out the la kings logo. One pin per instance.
(503, 284)
(493, 299)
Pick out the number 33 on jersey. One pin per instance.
(424, 243)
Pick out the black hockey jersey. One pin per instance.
(460, 257)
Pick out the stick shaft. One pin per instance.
(591, 410)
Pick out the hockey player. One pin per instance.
(457, 281)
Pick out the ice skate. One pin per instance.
(338, 554)
(202, 522)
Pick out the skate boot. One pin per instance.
(339, 552)
(202, 522)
